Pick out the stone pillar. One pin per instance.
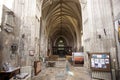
(98, 29)
(1, 47)
(0, 33)
(116, 16)
(1, 5)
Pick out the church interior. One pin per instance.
(59, 39)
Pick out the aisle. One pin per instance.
(63, 70)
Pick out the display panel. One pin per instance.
(100, 61)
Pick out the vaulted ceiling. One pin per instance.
(62, 19)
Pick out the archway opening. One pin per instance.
(62, 25)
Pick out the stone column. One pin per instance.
(116, 16)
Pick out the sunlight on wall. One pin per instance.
(8, 3)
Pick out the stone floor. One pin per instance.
(63, 70)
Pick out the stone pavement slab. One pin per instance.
(60, 72)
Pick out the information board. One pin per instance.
(100, 61)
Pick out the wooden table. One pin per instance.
(6, 75)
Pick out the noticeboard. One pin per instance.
(100, 61)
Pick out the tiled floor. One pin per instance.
(63, 70)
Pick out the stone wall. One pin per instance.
(29, 27)
(25, 33)
(116, 16)
(0, 11)
(43, 43)
(98, 29)
(37, 27)
(1, 47)
(116, 9)
(8, 37)
(0, 31)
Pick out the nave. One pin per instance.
(63, 70)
